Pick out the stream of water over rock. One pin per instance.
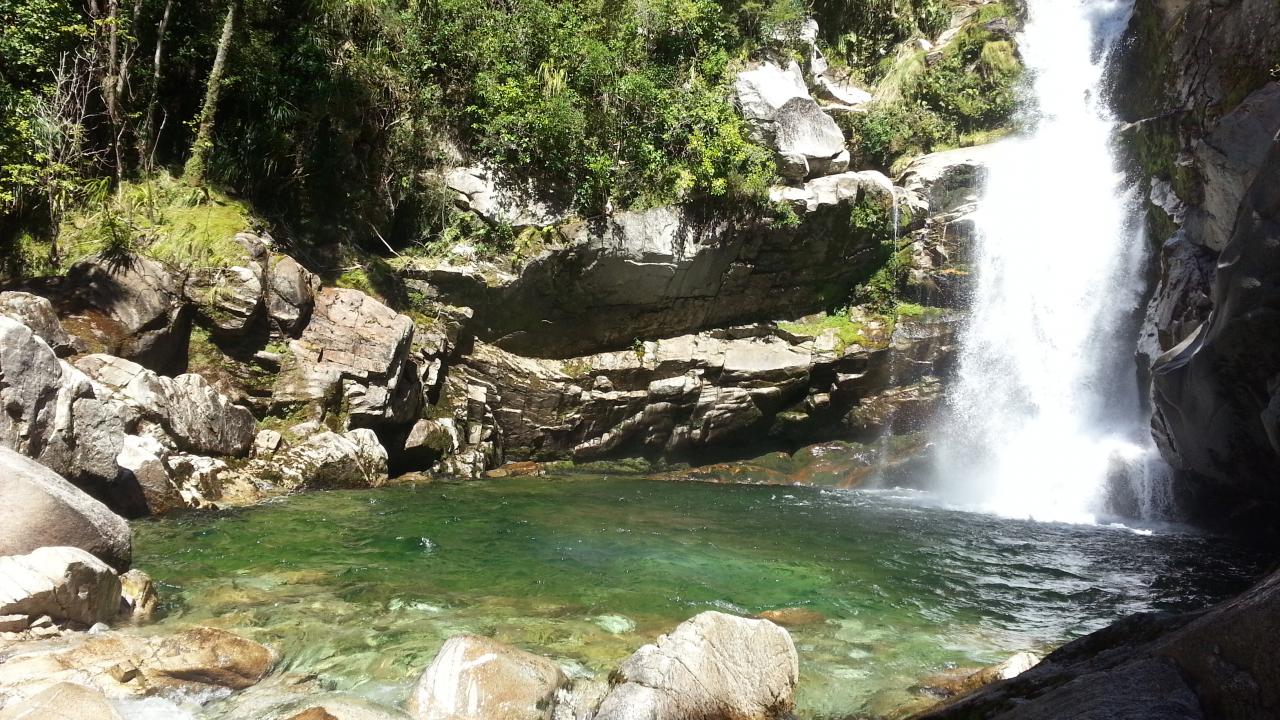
(1046, 408)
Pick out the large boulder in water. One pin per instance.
(712, 667)
(475, 678)
(38, 508)
(64, 583)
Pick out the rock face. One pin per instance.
(712, 667)
(1183, 667)
(670, 271)
(354, 347)
(1205, 116)
(503, 201)
(475, 678)
(197, 417)
(681, 395)
(1217, 394)
(64, 583)
(38, 508)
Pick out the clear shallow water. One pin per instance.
(360, 588)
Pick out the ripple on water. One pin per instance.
(360, 588)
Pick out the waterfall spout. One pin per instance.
(1046, 403)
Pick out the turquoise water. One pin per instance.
(360, 588)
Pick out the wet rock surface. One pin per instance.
(118, 665)
(1200, 665)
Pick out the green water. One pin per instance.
(360, 588)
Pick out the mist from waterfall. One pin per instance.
(1046, 404)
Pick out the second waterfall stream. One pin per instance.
(1046, 404)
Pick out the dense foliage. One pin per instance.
(331, 117)
(957, 96)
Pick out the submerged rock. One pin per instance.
(192, 662)
(38, 508)
(475, 678)
(712, 667)
(62, 701)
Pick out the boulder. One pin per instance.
(196, 416)
(712, 667)
(354, 459)
(777, 105)
(65, 583)
(37, 396)
(37, 313)
(38, 508)
(227, 299)
(803, 131)
(290, 293)
(143, 458)
(62, 701)
(352, 339)
(138, 597)
(476, 678)
(145, 299)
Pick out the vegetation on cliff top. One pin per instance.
(330, 126)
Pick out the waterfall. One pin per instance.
(1046, 404)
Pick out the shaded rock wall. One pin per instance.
(1166, 667)
(1197, 83)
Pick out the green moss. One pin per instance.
(846, 330)
(912, 310)
(576, 367)
(160, 218)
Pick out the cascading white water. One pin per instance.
(1046, 401)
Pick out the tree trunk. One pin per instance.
(110, 84)
(195, 170)
(149, 138)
